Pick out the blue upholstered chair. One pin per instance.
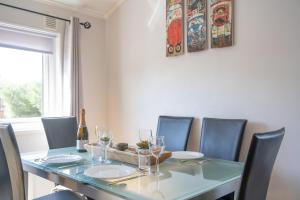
(259, 165)
(176, 131)
(60, 131)
(222, 138)
(11, 173)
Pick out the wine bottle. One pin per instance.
(82, 133)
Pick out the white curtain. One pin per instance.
(72, 92)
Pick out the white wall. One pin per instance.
(93, 74)
(257, 79)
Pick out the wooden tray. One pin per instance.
(128, 156)
(132, 158)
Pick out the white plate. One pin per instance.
(61, 159)
(109, 171)
(186, 155)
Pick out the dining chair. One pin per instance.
(222, 138)
(176, 131)
(259, 164)
(11, 173)
(60, 131)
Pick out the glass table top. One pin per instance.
(177, 180)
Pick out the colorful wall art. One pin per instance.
(196, 25)
(221, 21)
(174, 11)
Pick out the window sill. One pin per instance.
(25, 126)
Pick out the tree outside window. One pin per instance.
(20, 83)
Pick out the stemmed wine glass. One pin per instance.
(105, 139)
(97, 134)
(158, 194)
(157, 147)
(145, 135)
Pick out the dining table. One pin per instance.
(205, 178)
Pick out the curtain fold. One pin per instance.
(72, 93)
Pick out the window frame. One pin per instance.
(29, 125)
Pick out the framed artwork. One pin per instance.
(174, 14)
(221, 22)
(196, 25)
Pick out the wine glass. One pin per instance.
(97, 134)
(105, 140)
(145, 135)
(158, 194)
(157, 147)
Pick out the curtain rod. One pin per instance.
(86, 25)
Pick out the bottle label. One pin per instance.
(80, 144)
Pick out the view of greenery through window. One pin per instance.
(20, 83)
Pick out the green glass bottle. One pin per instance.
(82, 133)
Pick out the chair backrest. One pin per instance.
(11, 171)
(176, 131)
(259, 164)
(222, 138)
(60, 131)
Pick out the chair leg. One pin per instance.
(26, 184)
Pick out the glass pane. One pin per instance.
(20, 83)
(178, 181)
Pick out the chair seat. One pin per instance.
(61, 195)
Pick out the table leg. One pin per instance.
(26, 184)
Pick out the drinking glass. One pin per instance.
(157, 147)
(143, 150)
(105, 140)
(144, 160)
(96, 153)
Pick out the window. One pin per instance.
(21, 84)
(30, 76)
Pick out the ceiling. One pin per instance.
(95, 8)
